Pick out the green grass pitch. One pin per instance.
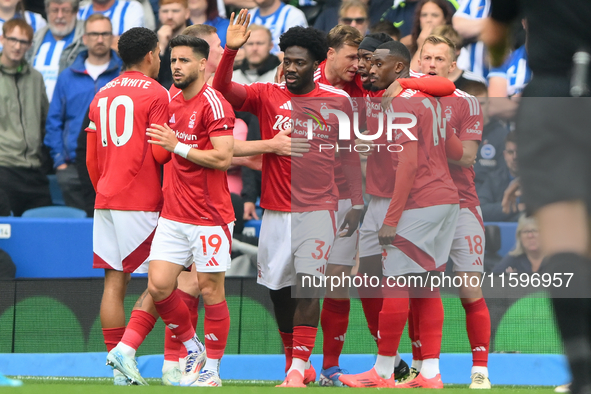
(52, 385)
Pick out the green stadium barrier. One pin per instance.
(63, 316)
(528, 326)
(43, 325)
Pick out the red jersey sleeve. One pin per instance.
(158, 114)
(471, 120)
(219, 117)
(433, 85)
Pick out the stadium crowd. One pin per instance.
(57, 72)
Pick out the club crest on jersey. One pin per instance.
(192, 120)
(448, 113)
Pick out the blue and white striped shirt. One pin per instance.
(515, 70)
(472, 57)
(47, 59)
(279, 22)
(123, 15)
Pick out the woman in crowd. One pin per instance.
(527, 255)
(428, 15)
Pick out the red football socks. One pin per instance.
(139, 326)
(392, 321)
(414, 333)
(478, 327)
(334, 320)
(113, 336)
(287, 339)
(303, 341)
(430, 314)
(216, 327)
(372, 308)
(176, 316)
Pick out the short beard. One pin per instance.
(184, 84)
(64, 31)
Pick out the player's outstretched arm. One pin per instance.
(236, 36)
(281, 144)
(253, 162)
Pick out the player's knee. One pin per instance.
(158, 289)
(212, 290)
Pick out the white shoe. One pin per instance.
(208, 379)
(565, 388)
(479, 381)
(172, 377)
(193, 364)
(119, 379)
(126, 365)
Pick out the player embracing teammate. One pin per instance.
(197, 218)
(299, 194)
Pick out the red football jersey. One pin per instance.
(120, 114)
(356, 94)
(433, 184)
(462, 113)
(379, 174)
(297, 184)
(195, 194)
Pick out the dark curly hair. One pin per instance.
(445, 7)
(136, 43)
(312, 39)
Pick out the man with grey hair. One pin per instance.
(56, 46)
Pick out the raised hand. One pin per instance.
(238, 32)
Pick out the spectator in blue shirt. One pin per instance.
(508, 81)
(74, 91)
(205, 12)
(491, 191)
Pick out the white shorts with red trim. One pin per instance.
(423, 240)
(293, 243)
(467, 249)
(184, 244)
(369, 244)
(121, 239)
(344, 249)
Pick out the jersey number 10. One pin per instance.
(108, 118)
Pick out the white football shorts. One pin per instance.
(293, 243)
(467, 249)
(184, 244)
(423, 240)
(121, 239)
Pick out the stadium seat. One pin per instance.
(54, 212)
(252, 228)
